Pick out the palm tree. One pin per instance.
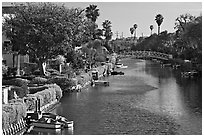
(92, 12)
(107, 32)
(135, 27)
(159, 19)
(151, 28)
(132, 31)
(107, 29)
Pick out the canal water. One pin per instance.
(148, 99)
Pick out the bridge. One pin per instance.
(150, 55)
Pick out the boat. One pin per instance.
(123, 66)
(101, 82)
(47, 123)
(117, 73)
(120, 65)
(52, 121)
(191, 73)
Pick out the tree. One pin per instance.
(41, 30)
(107, 32)
(92, 12)
(182, 21)
(135, 28)
(151, 28)
(189, 37)
(132, 31)
(159, 19)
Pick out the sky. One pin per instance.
(124, 15)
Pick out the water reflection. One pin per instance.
(144, 87)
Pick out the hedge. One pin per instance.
(13, 112)
(57, 90)
(39, 80)
(20, 91)
(46, 96)
(64, 82)
(33, 90)
(30, 102)
(17, 108)
(16, 82)
(84, 78)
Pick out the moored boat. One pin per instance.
(120, 65)
(52, 121)
(45, 124)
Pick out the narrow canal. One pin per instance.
(148, 99)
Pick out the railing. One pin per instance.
(151, 54)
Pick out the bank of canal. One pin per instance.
(148, 99)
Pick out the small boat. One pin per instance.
(52, 121)
(101, 82)
(47, 123)
(120, 65)
(117, 73)
(191, 73)
(123, 66)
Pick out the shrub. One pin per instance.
(57, 89)
(16, 82)
(5, 120)
(52, 70)
(39, 80)
(46, 96)
(10, 112)
(33, 90)
(37, 72)
(13, 112)
(67, 70)
(4, 69)
(64, 82)
(30, 101)
(20, 91)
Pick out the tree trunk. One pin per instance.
(40, 65)
(158, 30)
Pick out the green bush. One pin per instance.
(64, 82)
(30, 101)
(5, 120)
(13, 112)
(37, 72)
(33, 90)
(10, 112)
(16, 82)
(57, 89)
(67, 70)
(53, 72)
(39, 80)
(46, 96)
(20, 91)
(4, 69)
